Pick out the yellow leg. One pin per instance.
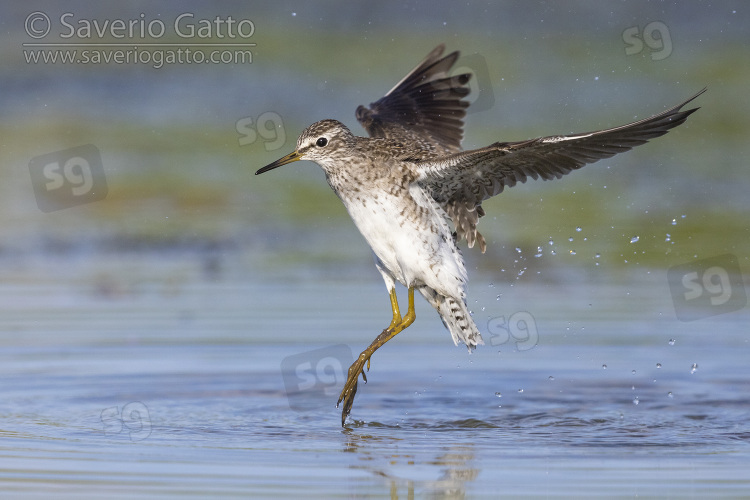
(398, 324)
(394, 322)
(396, 313)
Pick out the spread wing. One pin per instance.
(461, 181)
(424, 108)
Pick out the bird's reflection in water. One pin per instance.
(443, 476)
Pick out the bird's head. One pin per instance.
(327, 143)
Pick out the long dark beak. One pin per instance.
(293, 156)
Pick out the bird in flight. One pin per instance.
(413, 192)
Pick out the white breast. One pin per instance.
(415, 245)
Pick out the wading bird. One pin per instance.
(414, 194)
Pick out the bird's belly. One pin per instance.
(411, 247)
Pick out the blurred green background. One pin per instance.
(178, 152)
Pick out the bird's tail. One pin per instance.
(455, 316)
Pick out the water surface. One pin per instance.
(186, 391)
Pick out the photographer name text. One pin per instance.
(185, 26)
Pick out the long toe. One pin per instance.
(348, 402)
(350, 387)
(351, 382)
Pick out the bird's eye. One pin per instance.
(321, 142)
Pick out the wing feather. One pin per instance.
(462, 180)
(425, 108)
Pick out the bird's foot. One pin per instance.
(358, 367)
(350, 387)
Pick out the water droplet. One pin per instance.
(570, 239)
(669, 237)
(498, 394)
(672, 341)
(674, 222)
(498, 297)
(670, 395)
(551, 378)
(538, 252)
(635, 401)
(693, 368)
(551, 242)
(520, 391)
(597, 255)
(633, 372)
(658, 365)
(572, 252)
(492, 285)
(553, 252)
(518, 250)
(604, 367)
(635, 239)
(579, 229)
